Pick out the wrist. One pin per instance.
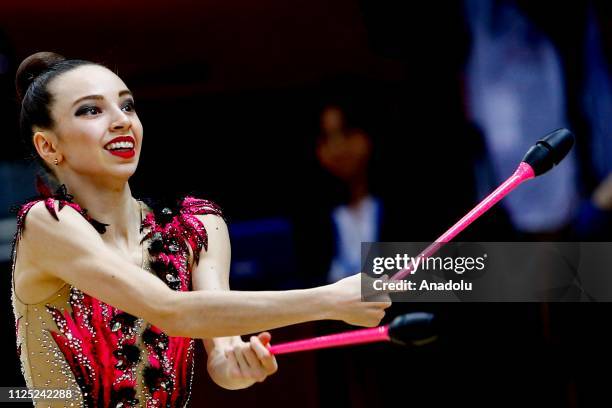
(323, 298)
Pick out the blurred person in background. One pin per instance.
(516, 94)
(345, 152)
(594, 219)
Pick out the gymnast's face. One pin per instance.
(92, 107)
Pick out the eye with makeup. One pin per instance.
(88, 110)
(129, 105)
(91, 110)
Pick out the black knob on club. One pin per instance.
(549, 151)
(412, 329)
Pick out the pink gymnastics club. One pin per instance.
(415, 328)
(540, 158)
(409, 329)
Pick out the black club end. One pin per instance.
(549, 151)
(413, 329)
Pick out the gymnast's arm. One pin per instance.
(73, 251)
(212, 271)
(227, 355)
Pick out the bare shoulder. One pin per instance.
(216, 230)
(40, 245)
(212, 222)
(212, 271)
(43, 227)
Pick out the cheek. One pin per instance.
(84, 131)
(139, 134)
(137, 131)
(83, 140)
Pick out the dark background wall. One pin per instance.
(229, 93)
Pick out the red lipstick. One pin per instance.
(124, 151)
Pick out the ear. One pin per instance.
(45, 143)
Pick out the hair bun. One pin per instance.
(32, 67)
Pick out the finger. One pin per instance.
(264, 337)
(234, 370)
(379, 289)
(250, 357)
(242, 363)
(391, 287)
(256, 370)
(379, 305)
(259, 347)
(267, 360)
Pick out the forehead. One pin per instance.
(85, 80)
(332, 114)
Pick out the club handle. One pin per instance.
(362, 336)
(522, 173)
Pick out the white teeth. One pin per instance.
(120, 145)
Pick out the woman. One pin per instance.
(109, 294)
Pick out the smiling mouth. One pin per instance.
(121, 146)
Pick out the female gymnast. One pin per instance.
(109, 292)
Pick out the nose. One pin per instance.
(121, 121)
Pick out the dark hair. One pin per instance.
(31, 83)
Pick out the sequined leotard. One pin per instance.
(106, 357)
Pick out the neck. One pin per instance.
(358, 190)
(110, 204)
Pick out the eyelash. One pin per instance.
(84, 110)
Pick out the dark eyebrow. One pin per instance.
(121, 93)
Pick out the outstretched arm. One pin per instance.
(73, 251)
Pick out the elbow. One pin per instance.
(177, 318)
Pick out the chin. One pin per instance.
(123, 171)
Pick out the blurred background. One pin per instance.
(317, 125)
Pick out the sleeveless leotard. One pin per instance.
(103, 356)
